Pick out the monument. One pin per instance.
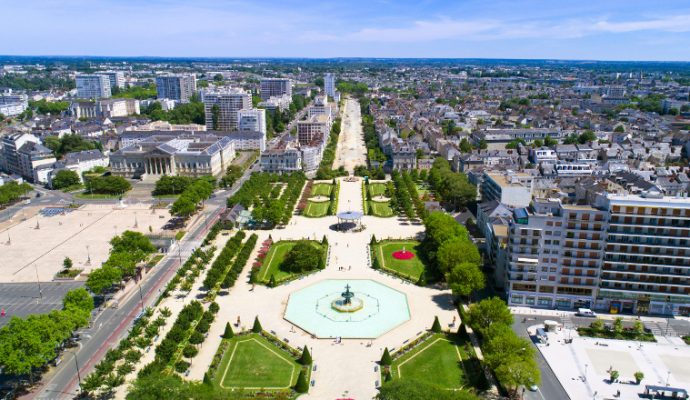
(347, 302)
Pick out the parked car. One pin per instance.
(585, 312)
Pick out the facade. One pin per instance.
(646, 267)
(23, 153)
(554, 255)
(109, 108)
(185, 155)
(274, 103)
(251, 119)
(321, 107)
(404, 157)
(176, 87)
(286, 157)
(271, 87)
(13, 104)
(314, 128)
(93, 86)
(329, 85)
(116, 78)
(512, 189)
(79, 162)
(229, 102)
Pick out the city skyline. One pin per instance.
(616, 30)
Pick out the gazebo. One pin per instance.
(347, 218)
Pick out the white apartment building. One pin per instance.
(93, 86)
(329, 85)
(23, 154)
(284, 158)
(227, 103)
(12, 109)
(321, 107)
(252, 119)
(271, 87)
(274, 103)
(176, 87)
(116, 78)
(316, 128)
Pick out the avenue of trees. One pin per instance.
(13, 191)
(510, 357)
(271, 197)
(453, 188)
(452, 254)
(195, 192)
(128, 250)
(27, 344)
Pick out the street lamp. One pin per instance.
(76, 363)
(668, 376)
(88, 255)
(141, 299)
(38, 282)
(584, 378)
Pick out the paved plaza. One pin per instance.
(34, 248)
(583, 366)
(351, 149)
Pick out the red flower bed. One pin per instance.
(403, 255)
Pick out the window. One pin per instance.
(516, 299)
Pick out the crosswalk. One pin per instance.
(661, 328)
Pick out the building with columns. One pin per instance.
(187, 155)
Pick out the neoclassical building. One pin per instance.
(193, 156)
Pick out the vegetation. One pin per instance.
(183, 113)
(126, 252)
(172, 184)
(69, 144)
(232, 175)
(220, 265)
(195, 193)
(108, 185)
(13, 191)
(271, 197)
(325, 170)
(283, 263)
(453, 188)
(410, 389)
(597, 329)
(303, 257)
(65, 178)
(44, 106)
(135, 92)
(412, 269)
(27, 344)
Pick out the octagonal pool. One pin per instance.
(382, 308)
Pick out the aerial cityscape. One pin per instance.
(372, 200)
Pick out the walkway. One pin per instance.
(351, 150)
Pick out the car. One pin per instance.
(585, 312)
(532, 387)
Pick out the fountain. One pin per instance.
(348, 302)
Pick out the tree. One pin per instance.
(436, 326)
(256, 328)
(514, 372)
(465, 146)
(103, 278)
(157, 386)
(65, 178)
(638, 327)
(619, 129)
(618, 326)
(79, 299)
(302, 257)
(386, 358)
(373, 239)
(375, 263)
(228, 334)
(410, 389)
(639, 375)
(108, 185)
(614, 375)
(501, 343)
(465, 278)
(456, 251)
(587, 136)
(488, 312)
(440, 227)
(597, 325)
(67, 263)
(302, 386)
(183, 207)
(305, 359)
(549, 141)
(132, 242)
(170, 184)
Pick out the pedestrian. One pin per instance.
(349, 269)
(2, 313)
(238, 321)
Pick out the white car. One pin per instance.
(585, 312)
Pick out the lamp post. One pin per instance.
(88, 255)
(141, 299)
(38, 282)
(584, 378)
(668, 376)
(76, 364)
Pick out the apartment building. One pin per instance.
(271, 87)
(321, 106)
(23, 154)
(252, 119)
(93, 86)
(280, 103)
(329, 85)
(318, 126)
(176, 87)
(13, 104)
(116, 78)
(554, 255)
(646, 267)
(285, 157)
(222, 107)
(511, 188)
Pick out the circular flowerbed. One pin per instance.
(319, 199)
(380, 199)
(403, 255)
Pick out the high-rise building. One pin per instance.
(329, 85)
(117, 78)
(93, 86)
(252, 119)
(646, 267)
(275, 87)
(176, 87)
(222, 106)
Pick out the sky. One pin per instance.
(524, 29)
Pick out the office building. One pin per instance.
(176, 87)
(329, 85)
(222, 107)
(252, 119)
(93, 86)
(116, 78)
(271, 87)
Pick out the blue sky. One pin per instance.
(594, 29)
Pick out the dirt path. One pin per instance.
(351, 150)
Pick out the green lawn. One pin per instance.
(376, 189)
(411, 269)
(437, 361)
(381, 209)
(252, 362)
(316, 209)
(274, 258)
(321, 189)
(95, 196)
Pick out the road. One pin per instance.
(111, 325)
(22, 299)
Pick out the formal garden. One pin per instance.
(287, 260)
(400, 257)
(377, 198)
(271, 198)
(319, 199)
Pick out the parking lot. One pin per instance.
(21, 299)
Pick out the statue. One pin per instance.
(347, 295)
